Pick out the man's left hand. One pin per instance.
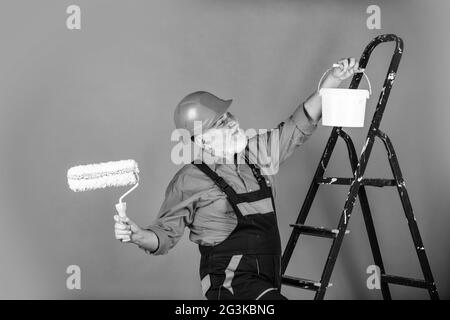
(347, 67)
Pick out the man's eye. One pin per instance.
(221, 123)
(222, 120)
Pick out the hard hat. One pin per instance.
(199, 106)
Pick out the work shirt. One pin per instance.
(193, 200)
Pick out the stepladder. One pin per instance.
(357, 190)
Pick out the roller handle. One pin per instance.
(121, 208)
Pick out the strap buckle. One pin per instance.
(222, 183)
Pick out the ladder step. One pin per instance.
(406, 281)
(317, 231)
(301, 283)
(366, 182)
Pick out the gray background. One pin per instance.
(107, 92)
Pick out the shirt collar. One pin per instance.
(209, 159)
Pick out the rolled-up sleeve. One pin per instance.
(281, 141)
(295, 131)
(174, 215)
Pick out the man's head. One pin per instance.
(224, 138)
(211, 127)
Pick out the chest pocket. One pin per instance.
(215, 202)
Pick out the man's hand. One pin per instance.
(347, 67)
(126, 230)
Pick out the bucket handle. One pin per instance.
(321, 78)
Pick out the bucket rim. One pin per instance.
(345, 91)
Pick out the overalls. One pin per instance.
(247, 264)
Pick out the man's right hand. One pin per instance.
(122, 229)
(127, 231)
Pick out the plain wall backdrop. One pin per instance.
(108, 91)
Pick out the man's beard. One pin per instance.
(230, 145)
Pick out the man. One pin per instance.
(228, 202)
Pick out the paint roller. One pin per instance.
(105, 174)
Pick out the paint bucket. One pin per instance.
(343, 107)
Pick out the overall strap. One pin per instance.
(261, 180)
(256, 171)
(222, 184)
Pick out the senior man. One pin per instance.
(226, 198)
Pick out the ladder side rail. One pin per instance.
(407, 208)
(367, 215)
(325, 158)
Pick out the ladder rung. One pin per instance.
(406, 281)
(301, 283)
(366, 182)
(317, 231)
